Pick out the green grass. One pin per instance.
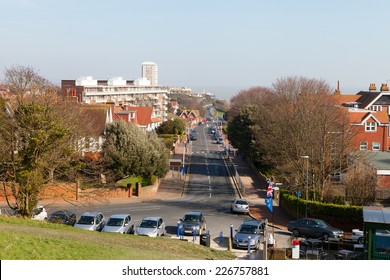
(24, 239)
(133, 181)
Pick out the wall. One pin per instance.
(69, 192)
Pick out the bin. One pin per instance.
(205, 240)
(295, 249)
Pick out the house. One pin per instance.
(96, 117)
(369, 113)
(142, 117)
(191, 116)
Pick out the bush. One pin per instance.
(333, 213)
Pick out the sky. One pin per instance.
(219, 46)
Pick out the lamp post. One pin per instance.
(307, 183)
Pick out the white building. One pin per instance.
(121, 92)
(150, 72)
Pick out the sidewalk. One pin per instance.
(256, 192)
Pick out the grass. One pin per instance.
(133, 181)
(24, 239)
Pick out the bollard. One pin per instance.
(220, 237)
(178, 228)
(193, 234)
(229, 244)
(231, 232)
(249, 244)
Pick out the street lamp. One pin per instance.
(307, 183)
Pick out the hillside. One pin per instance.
(23, 239)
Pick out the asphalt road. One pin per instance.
(208, 190)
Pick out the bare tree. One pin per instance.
(298, 117)
(251, 96)
(360, 183)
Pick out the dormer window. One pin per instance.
(376, 108)
(371, 126)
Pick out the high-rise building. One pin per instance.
(150, 72)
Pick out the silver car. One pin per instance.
(240, 205)
(151, 226)
(193, 221)
(120, 223)
(91, 221)
(249, 231)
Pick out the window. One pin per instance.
(370, 126)
(376, 146)
(363, 145)
(377, 108)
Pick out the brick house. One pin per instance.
(369, 113)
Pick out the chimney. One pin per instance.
(337, 91)
(372, 87)
(384, 87)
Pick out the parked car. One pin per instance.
(120, 223)
(151, 226)
(316, 228)
(382, 237)
(194, 135)
(357, 236)
(39, 213)
(240, 205)
(193, 221)
(62, 217)
(250, 228)
(91, 221)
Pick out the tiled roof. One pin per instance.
(96, 116)
(346, 98)
(144, 114)
(357, 117)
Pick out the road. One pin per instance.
(208, 190)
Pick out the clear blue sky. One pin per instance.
(220, 46)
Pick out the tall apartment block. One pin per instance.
(150, 72)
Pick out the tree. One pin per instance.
(251, 96)
(360, 183)
(176, 127)
(298, 117)
(129, 151)
(37, 137)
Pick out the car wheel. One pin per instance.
(360, 240)
(295, 233)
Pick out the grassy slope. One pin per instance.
(22, 239)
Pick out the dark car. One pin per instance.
(194, 135)
(309, 227)
(63, 217)
(249, 231)
(193, 221)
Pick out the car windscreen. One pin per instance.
(114, 222)
(191, 218)
(247, 229)
(86, 220)
(242, 202)
(148, 224)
